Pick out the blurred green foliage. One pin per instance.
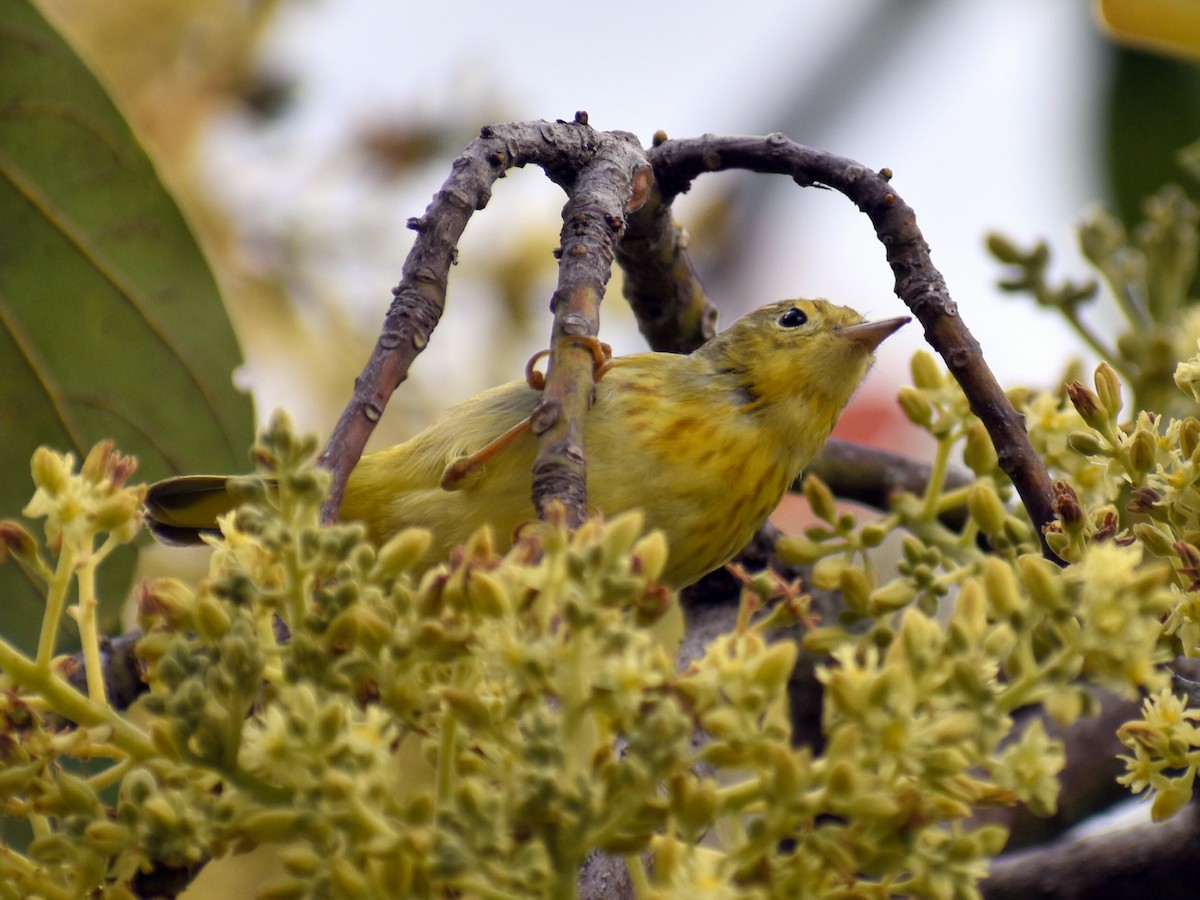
(112, 325)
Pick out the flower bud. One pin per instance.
(480, 547)
(271, 825)
(978, 453)
(916, 406)
(944, 762)
(51, 470)
(16, 779)
(1189, 436)
(16, 540)
(159, 811)
(212, 621)
(824, 640)
(1155, 541)
(621, 532)
(115, 512)
(77, 794)
(165, 740)
(986, 507)
(1063, 706)
(694, 805)
(95, 465)
(400, 552)
(1000, 641)
(1067, 506)
(285, 889)
(820, 498)
(1003, 249)
(301, 860)
(1143, 450)
(865, 806)
(1187, 378)
(966, 676)
(773, 667)
(843, 782)
(969, 619)
(487, 595)
(1002, 589)
(331, 722)
(856, 590)
(892, 596)
(722, 722)
(1144, 500)
(1042, 578)
(346, 880)
(1087, 405)
(468, 707)
(926, 372)
(1086, 444)
(107, 838)
(799, 551)
(54, 849)
(338, 786)
(650, 555)
(953, 727)
(872, 535)
(1108, 388)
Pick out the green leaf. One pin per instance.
(1152, 112)
(111, 325)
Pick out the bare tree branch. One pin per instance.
(613, 182)
(918, 283)
(662, 288)
(561, 149)
(1150, 860)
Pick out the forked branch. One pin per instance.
(601, 172)
(562, 150)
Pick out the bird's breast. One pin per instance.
(704, 471)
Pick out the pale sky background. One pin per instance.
(985, 112)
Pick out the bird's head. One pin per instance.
(799, 359)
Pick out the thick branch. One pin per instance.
(561, 149)
(662, 288)
(918, 283)
(1149, 860)
(614, 181)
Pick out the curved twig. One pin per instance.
(561, 149)
(918, 283)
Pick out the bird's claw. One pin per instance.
(602, 357)
(460, 472)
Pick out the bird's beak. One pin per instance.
(871, 334)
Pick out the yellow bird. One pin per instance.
(705, 444)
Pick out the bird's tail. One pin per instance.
(182, 510)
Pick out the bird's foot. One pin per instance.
(601, 360)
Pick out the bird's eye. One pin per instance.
(793, 318)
